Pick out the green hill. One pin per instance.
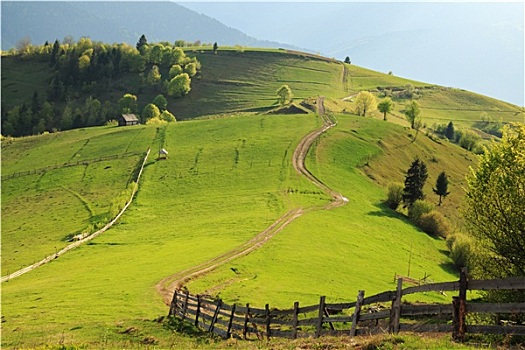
(225, 180)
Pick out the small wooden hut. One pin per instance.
(128, 119)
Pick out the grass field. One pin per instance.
(41, 211)
(336, 253)
(225, 180)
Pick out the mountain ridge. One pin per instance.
(52, 20)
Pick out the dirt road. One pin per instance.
(166, 287)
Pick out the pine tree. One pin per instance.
(54, 54)
(441, 186)
(142, 41)
(450, 132)
(414, 182)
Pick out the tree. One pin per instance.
(414, 182)
(215, 47)
(179, 85)
(167, 116)
(150, 111)
(495, 207)
(449, 132)
(285, 95)
(142, 42)
(83, 62)
(153, 78)
(441, 188)
(365, 102)
(191, 69)
(155, 54)
(174, 71)
(54, 54)
(413, 114)
(347, 60)
(385, 106)
(128, 104)
(160, 101)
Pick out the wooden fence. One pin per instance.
(380, 313)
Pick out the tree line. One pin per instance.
(91, 69)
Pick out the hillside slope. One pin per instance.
(225, 180)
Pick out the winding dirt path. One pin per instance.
(167, 286)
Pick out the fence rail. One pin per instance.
(362, 316)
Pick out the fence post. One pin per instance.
(267, 320)
(185, 305)
(173, 305)
(198, 310)
(357, 312)
(459, 306)
(319, 325)
(395, 312)
(229, 331)
(295, 319)
(246, 319)
(215, 315)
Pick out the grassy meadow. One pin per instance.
(361, 245)
(225, 180)
(72, 195)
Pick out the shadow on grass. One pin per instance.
(184, 327)
(385, 211)
(449, 267)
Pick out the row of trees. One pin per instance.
(366, 103)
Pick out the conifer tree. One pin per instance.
(450, 132)
(414, 182)
(441, 188)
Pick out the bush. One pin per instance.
(469, 140)
(460, 250)
(434, 223)
(394, 195)
(418, 208)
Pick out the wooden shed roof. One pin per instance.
(130, 117)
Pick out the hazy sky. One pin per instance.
(476, 46)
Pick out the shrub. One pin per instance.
(434, 223)
(469, 140)
(394, 195)
(461, 250)
(418, 208)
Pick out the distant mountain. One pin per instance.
(115, 22)
(474, 46)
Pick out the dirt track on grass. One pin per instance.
(167, 286)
